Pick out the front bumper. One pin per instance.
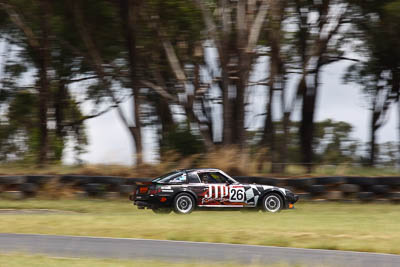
(290, 200)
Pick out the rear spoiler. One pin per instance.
(140, 181)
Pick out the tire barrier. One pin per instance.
(349, 188)
(39, 179)
(328, 188)
(95, 189)
(380, 189)
(365, 196)
(12, 180)
(316, 189)
(300, 182)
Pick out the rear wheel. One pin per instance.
(184, 203)
(272, 203)
(161, 210)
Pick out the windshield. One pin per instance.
(230, 178)
(166, 178)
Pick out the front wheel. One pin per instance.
(272, 203)
(183, 203)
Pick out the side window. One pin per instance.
(193, 178)
(212, 178)
(218, 177)
(178, 179)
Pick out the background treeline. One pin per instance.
(191, 72)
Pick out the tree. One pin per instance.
(37, 41)
(234, 29)
(318, 44)
(379, 75)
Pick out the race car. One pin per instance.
(182, 191)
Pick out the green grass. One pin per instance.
(358, 227)
(16, 260)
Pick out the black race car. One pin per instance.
(184, 190)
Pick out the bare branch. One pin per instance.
(210, 24)
(257, 26)
(17, 20)
(87, 117)
(82, 79)
(173, 60)
(95, 58)
(160, 90)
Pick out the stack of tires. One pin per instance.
(336, 188)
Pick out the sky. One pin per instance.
(110, 143)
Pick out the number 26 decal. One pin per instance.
(236, 194)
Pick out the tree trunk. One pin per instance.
(283, 151)
(165, 115)
(243, 69)
(60, 104)
(227, 117)
(372, 143)
(307, 123)
(269, 128)
(396, 89)
(130, 12)
(43, 65)
(190, 113)
(398, 126)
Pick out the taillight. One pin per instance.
(143, 190)
(155, 191)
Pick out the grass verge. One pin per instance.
(17, 260)
(358, 227)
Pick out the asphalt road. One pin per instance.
(126, 248)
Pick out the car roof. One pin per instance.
(200, 170)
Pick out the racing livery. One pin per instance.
(184, 190)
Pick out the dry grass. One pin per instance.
(229, 159)
(55, 190)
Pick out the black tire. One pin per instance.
(304, 196)
(349, 188)
(380, 189)
(76, 179)
(300, 182)
(40, 179)
(12, 180)
(316, 189)
(366, 196)
(94, 189)
(161, 210)
(272, 202)
(363, 181)
(28, 188)
(330, 180)
(184, 203)
(393, 181)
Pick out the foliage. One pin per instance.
(192, 63)
(182, 140)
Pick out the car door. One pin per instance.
(220, 191)
(197, 186)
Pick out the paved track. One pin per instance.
(74, 246)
